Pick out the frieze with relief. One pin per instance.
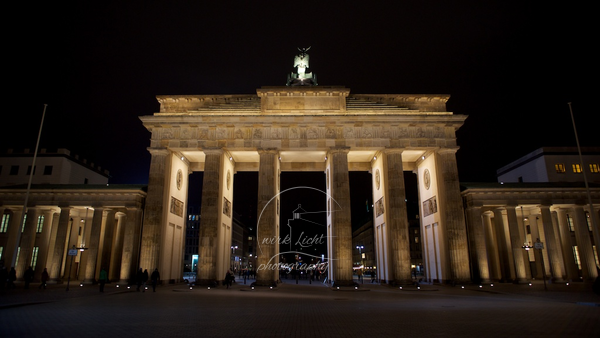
(221, 133)
(302, 132)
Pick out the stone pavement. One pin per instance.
(302, 310)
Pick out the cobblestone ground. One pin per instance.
(302, 310)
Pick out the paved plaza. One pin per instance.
(303, 310)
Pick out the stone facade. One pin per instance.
(502, 219)
(102, 222)
(316, 129)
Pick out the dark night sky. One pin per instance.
(510, 66)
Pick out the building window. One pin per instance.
(48, 170)
(560, 168)
(594, 168)
(4, 224)
(576, 255)
(40, 224)
(570, 223)
(588, 220)
(14, 170)
(1, 251)
(29, 170)
(596, 256)
(34, 256)
(24, 221)
(577, 168)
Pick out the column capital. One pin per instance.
(213, 151)
(389, 151)
(447, 150)
(273, 151)
(158, 151)
(340, 149)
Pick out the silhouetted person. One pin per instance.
(45, 278)
(228, 278)
(102, 279)
(155, 277)
(139, 278)
(145, 279)
(28, 277)
(12, 277)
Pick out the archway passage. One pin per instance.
(303, 227)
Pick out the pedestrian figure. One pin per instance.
(139, 277)
(28, 277)
(145, 279)
(45, 278)
(155, 277)
(12, 277)
(102, 279)
(360, 275)
(228, 278)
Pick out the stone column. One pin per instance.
(504, 256)
(584, 245)
(58, 255)
(478, 244)
(558, 272)
(492, 247)
(567, 246)
(266, 230)
(27, 241)
(117, 249)
(131, 245)
(516, 244)
(155, 209)
(93, 246)
(396, 218)
(14, 226)
(535, 235)
(44, 242)
(341, 224)
(210, 221)
(107, 241)
(453, 215)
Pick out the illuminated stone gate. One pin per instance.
(306, 128)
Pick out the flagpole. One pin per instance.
(587, 187)
(24, 213)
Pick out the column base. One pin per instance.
(207, 282)
(344, 283)
(520, 281)
(265, 282)
(402, 282)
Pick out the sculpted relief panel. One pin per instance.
(382, 135)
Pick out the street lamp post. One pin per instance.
(539, 246)
(360, 247)
(233, 248)
(73, 252)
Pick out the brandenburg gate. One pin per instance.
(303, 127)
